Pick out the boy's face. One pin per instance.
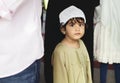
(75, 29)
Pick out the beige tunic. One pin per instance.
(71, 65)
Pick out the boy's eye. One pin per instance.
(81, 24)
(71, 24)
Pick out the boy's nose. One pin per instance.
(77, 27)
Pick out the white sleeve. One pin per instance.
(9, 7)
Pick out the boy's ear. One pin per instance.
(62, 30)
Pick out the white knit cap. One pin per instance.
(71, 12)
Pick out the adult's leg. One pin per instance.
(117, 72)
(103, 72)
(29, 75)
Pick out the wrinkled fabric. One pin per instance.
(21, 41)
(9, 7)
(107, 32)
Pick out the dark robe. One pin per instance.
(52, 29)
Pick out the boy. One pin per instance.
(70, 58)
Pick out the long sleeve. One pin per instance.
(88, 65)
(89, 71)
(59, 70)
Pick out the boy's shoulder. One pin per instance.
(59, 47)
(81, 42)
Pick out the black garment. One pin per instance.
(53, 34)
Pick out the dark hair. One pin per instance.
(73, 20)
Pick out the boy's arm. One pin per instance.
(59, 70)
(88, 65)
(89, 70)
